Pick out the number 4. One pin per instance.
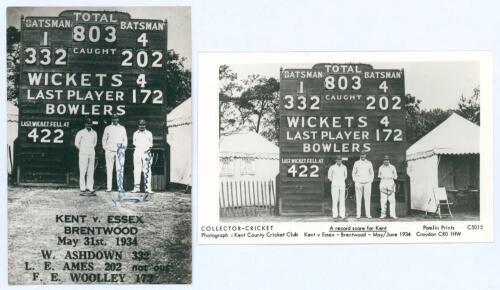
(143, 39)
(383, 86)
(292, 170)
(141, 80)
(385, 121)
(33, 135)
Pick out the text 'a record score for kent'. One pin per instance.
(330, 110)
(85, 64)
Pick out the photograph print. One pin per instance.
(99, 145)
(350, 142)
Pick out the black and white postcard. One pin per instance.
(388, 147)
(99, 145)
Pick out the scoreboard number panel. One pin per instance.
(335, 109)
(87, 64)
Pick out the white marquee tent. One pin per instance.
(248, 155)
(179, 138)
(448, 156)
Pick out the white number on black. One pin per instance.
(141, 80)
(157, 97)
(94, 33)
(45, 135)
(59, 134)
(383, 103)
(383, 86)
(31, 58)
(128, 58)
(302, 100)
(158, 57)
(371, 102)
(385, 121)
(315, 103)
(78, 33)
(303, 170)
(61, 59)
(146, 94)
(289, 102)
(342, 83)
(386, 134)
(357, 83)
(143, 39)
(45, 56)
(111, 37)
(142, 58)
(330, 82)
(45, 52)
(397, 103)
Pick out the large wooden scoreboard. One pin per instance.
(338, 109)
(88, 64)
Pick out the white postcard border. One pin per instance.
(283, 232)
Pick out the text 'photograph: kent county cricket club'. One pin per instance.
(348, 148)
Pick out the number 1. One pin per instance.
(44, 43)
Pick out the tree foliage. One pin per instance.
(469, 108)
(13, 39)
(258, 103)
(420, 121)
(178, 80)
(228, 88)
(250, 104)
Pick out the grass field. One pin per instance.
(165, 233)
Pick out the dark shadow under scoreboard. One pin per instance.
(338, 109)
(88, 64)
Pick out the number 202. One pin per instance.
(383, 103)
(142, 58)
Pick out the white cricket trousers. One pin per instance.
(387, 193)
(142, 164)
(363, 190)
(338, 201)
(86, 165)
(110, 159)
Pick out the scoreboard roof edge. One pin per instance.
(364, 65)
(320, 66)
(126, 14)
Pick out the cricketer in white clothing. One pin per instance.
(337, 174)
(387, 174)
(114, 136)
(85, 141)
(362, 174)
(143, 141)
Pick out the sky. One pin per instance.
(436, 84)
(178, 17)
